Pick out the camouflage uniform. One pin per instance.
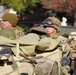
(55, 47)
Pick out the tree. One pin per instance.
(21, 5)
(59, 5)
(62, 6)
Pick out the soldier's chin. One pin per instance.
(48, 34)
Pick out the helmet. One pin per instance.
(9, 33)
(12, 18)
(52, 21)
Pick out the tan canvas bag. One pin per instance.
(46, 66)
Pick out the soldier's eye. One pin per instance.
(44, 26)
(4, 20)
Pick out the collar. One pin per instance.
(55, 36)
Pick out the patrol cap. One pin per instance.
(53, 22)
(12, 18)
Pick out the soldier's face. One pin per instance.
(5, 24)
(50, 31)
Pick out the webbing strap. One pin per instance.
(14, 66)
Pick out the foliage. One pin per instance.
(59, 5)
(21, 5)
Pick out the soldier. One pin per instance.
(10, 30)
(12, 38)
(72, 36)
(9, 27)
(53, 45)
